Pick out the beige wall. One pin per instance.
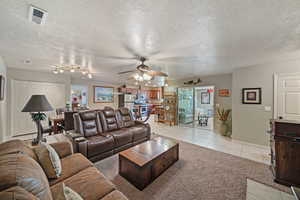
(90, 84)
(222, 81)
(250, 122)
(3, 105)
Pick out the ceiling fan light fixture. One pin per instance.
(61, 71)
(55, 71)
(147, 77)
(72, 70)
(90, 76)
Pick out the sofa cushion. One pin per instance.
(90, 123)
(139, 131)
(49, 160)
(99, 144)
(21, 170)
(16, 146)
(70, 166)
(122, 136)
(125, 118)
(115, 195)
(109, 120)
(16, 193)
(89, 184)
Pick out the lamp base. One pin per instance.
(36, 141)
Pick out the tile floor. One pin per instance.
(209, 139)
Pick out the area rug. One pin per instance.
(200, 173)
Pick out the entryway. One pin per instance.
(196, 107)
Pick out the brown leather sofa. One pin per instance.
(22, 177)
(107, 132)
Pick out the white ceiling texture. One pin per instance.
(183, 38)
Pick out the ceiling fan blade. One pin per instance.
(126, 72)
(119, 57)
(157, 73)
(132, 51)
(180, 59)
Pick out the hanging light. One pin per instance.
(55, 71)
(90, 76)
(147, 77)
(61, 70)
(72, 70)
(84, 72)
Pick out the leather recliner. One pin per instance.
(107, 132)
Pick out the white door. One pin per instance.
(287, 96)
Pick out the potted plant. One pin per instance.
(223, 116)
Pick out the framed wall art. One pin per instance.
(251, 96)
(224, 92)
(205, 98)
(103, 94)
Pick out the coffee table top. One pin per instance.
(145, 152)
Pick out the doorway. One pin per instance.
(196, 107)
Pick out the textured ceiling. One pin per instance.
(181, 37)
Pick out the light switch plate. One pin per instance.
(268, 108)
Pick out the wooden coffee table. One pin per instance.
(141, 164)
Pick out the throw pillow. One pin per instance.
(49, 160)
(63, 192)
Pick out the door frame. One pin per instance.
(275, 91)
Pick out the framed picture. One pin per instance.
(2, 87)
(224, 93)
(103, 94)
(251, 96)
(205, 98)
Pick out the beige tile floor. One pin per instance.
(209, 139)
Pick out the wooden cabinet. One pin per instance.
(285, 152)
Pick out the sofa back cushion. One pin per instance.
(21, 170)
(89, 123)
(125, 118)
(16, 146)
(108, 119)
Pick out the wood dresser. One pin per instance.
(285, 151)
(141, 164)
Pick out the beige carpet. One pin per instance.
(200, 173)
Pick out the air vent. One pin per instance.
(37, 15)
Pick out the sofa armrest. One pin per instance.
(82, 147)
(63, 149)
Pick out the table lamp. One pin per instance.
(36, 106)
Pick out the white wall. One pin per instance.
(25, 75)
(3, 104)
(250, 122)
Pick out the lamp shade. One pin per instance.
(37, 103)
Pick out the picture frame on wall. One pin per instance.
(2, 87)
(103, 94)
(251, 96)
(224, 93)
(205, 98)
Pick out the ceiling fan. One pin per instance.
(144, 72)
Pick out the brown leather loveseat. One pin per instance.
(23, 178)
(106, 132)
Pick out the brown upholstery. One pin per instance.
(71, 165)
(22, 178)
(89, 184)
(21, 170)
(16, 193)
(114, 195)
(125, 118)
(99, 144)
(108, 120)
(90, 124)
(116, 131)
(15, 146)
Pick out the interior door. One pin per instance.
(287, 97)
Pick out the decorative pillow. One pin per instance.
(49, 160)
(66, 193)
(71, 194)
